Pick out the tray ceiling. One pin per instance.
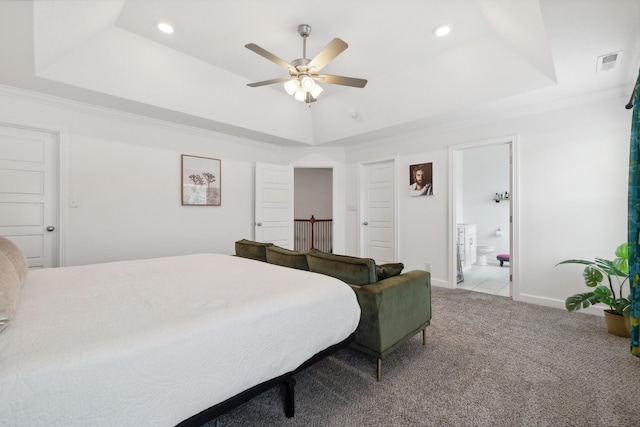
(110, 53)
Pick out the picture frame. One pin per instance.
(421, 179)
(201, 181)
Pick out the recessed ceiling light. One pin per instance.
(442, 30)
(165, 28)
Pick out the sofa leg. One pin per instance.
(424, 336)
(379, 372)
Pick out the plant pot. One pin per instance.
(617, 324)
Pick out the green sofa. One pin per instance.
(395, 306)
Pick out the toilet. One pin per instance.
(482, 252)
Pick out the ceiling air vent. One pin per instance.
(608, 61)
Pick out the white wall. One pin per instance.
(125, 172)
(572, 189)
(423, 220)
(485, 172)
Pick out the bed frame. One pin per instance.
(286, 380)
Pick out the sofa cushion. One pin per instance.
(287, 258)
(384, 271)
(352, 270)
(253, 250)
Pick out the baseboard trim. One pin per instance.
(597, 310)
(440, 283)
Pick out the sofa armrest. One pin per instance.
(393, 310)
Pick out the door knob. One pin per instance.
(365, 223)
(259, 224)
(50, 228)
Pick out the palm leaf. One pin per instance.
(622, 251)
(621, 267)
(605, 265)
(603, 294)
(623, 306)
(576, 261)
(578, 301)
(592, 276)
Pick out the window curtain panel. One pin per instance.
(634, 221)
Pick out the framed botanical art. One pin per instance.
(201, 184)
(421, 179)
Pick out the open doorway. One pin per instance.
(482, 226)
(313, 209)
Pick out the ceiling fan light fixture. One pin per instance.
(316, 91)
(291, 86)
(300, 94)
(307, 83)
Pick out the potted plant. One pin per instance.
(616, 272)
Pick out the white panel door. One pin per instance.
(274, 204)
(378, 222)
(29, 193)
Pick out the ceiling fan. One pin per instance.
(304, 72)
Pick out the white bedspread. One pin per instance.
(153, 342)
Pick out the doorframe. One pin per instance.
(361, 189)
(514, 232)
(61, 135)
(337, 197)
(333, 198)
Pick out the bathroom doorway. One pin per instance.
(482, 216)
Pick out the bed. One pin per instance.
(163, 341)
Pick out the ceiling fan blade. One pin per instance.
(269, 82)
(340, 80)
(270, 56)
(330, 51)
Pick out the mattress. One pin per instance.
(153, 342)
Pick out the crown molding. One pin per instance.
(60, 102)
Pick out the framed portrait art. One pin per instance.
(200, 181)
(421, 179)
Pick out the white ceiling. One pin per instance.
(509, 53)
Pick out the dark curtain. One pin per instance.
(634, 222)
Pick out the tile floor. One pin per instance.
(490, 278)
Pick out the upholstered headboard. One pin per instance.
(13, 271)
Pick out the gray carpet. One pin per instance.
(489, 361)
